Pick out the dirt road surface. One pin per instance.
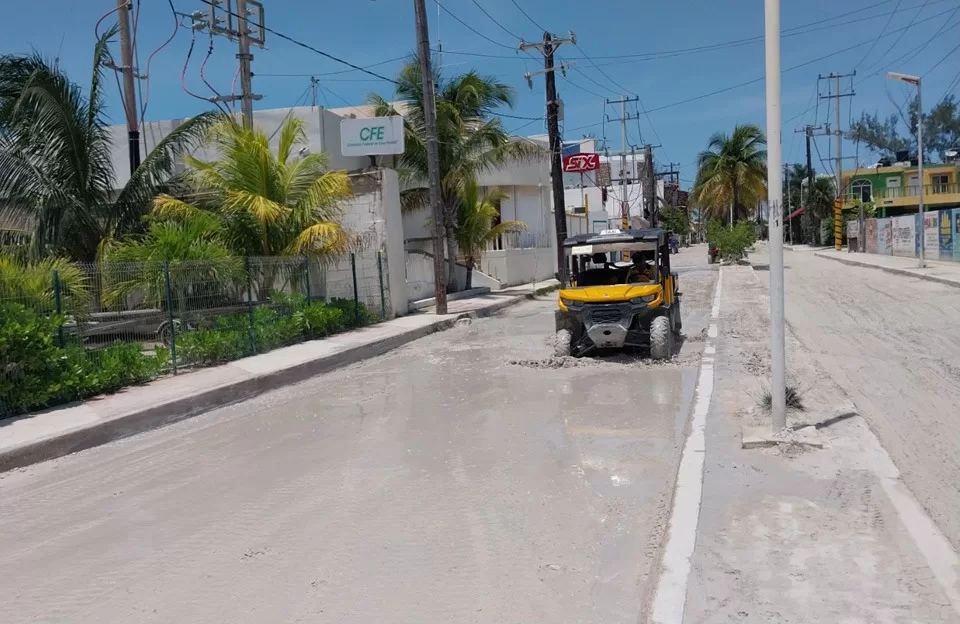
(893, 344)
(466, 477)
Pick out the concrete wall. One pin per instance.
(519, 266)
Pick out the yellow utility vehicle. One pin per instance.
(613, 303)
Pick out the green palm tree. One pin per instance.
(38, 284)
(55, 166)
(192, 251)
(266, 203)
(476, 214)
(732, 173)
(471, 141)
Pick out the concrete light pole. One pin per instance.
(915, 80)
(775, 201)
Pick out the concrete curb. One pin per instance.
(422, 304)
(159, 415)
(894, 270)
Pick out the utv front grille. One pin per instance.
(608, 313)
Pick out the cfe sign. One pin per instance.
(371, 136)
(581, 163)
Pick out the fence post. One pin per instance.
(356, 294)
(252, 331)
(383, 301)
(58, 303)
(170, 316)
(306, 276)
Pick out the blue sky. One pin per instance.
(640, 47)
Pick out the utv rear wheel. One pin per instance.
(561, 343)
(661, 338)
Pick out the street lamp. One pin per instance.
(915, 80)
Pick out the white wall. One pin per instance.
(519, 266)
(322, 130)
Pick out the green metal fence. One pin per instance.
(93, 328)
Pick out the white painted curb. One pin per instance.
(671, 594)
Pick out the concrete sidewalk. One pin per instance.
(804, 533)
(942, 272)
(62, 430)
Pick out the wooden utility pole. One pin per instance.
(548, 47)
(433, 154)
(129, 93)
(244, 56)
(650, 186)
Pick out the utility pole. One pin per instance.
(786, 181)
(129, 93)
(650, 186)
(775, 203)
(433, 154)
(548, 47)
(834, 93)
(237, 25)
(623, 119)
(809, 132)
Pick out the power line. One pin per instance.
(302, 44)
(902, 32)
(495, 21)
(882, 30)
(471, 28)
(527, 15)
(938, 63)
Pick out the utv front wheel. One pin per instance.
(561, 343)
(661, 338)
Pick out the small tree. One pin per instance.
(475, 228)
(675, 219)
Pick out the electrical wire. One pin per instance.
(883, 30)
(902, 32)
(527, 15)
(306, 46)
(146, 78)
(938, 63)
(822, 164)
(471, 28)
(96, 28)
(495, 21)
(183, 72)
(204, 78)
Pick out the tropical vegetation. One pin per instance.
(470, 140)
(475, 229)
(731, 174)
(941, 129)
(55, 166)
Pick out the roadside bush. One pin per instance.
(319, 320)
(206, 347)
(732, 242)
(35, 372)
(352, 316)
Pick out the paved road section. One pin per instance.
(893, 344)
(466, 477)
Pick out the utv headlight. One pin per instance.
(572, 304)
(643, 300)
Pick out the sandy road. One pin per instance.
(438, 483)
(893, 344)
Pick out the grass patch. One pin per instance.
(794, 400)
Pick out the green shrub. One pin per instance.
(732, 242)
(319, 319)
(36, 373)
(352, 316)
(206, 347)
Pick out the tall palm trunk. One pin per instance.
(471, 262)
(451, 259)
(736, 203)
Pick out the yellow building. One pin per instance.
(895, 190)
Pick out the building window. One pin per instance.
(862, 190)
(941, 183)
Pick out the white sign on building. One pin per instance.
(371, 136)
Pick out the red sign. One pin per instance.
(581, 163)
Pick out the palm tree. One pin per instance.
(193, 252)
(732, 173)
(38, 285)
(265, 203)
(475, 229)
(470, 140)
(55, 165)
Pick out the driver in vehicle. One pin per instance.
(641, 271)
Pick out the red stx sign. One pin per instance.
(581, 163)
